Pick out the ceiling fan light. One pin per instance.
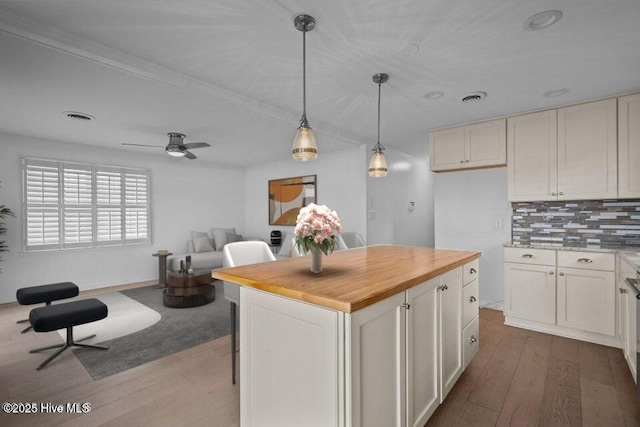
(378, 165)
(304, 145)
(175, 151)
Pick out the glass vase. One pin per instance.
(316, 261)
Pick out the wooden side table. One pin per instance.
(162, 269)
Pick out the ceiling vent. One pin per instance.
(473, 97)
(78, 116)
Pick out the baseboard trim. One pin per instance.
(563, 332)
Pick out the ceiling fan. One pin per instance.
(176, 147)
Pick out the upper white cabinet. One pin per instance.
(532, 148)
(564, 154)
(467, 147)
(587, 154)
(629, 146)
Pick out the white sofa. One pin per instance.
(205, 249)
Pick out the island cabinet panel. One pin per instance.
(378, 364)
(450, 330)
(290, 372)
(423, 396)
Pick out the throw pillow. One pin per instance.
(202, 244)
(220, 236)
(232, 237)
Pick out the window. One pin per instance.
(76, 205)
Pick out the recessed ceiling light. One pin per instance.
(78, 116)
(542, 20)
(435, 94)
(555, 92)
(410, 48)
(473, 97)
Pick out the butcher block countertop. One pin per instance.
(351, 279)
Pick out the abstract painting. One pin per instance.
(287, 196)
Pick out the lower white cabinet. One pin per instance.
(587, 300)
(568, 293)
(530, 292)
(389, 364)
(628, 317)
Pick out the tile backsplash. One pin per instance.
(577, 223)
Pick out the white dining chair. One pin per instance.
(234, 255)
(353, 239)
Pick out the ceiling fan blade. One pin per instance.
(192, 145)
(142, 145)
(189, 155)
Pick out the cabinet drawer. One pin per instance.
(588, 260)
(530, 256)
(470, 271)
(469, 302)
(470, 341)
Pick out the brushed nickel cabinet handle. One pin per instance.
(551, 273)
(622, 291)
(473, 339)
(561, 193)
(585, 260)
(461, 161)
(527, 256)
(472, 299)
(472, 271)
(561, 274)
(466, 161)
(553, 194)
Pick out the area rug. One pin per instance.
(126, 316)
(177, 330)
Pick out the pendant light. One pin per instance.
(304, 144)
(378, 164)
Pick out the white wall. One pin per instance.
(341, 185)
(467, 204)
(389, 220)
(186, 195)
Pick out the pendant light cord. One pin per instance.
(379, 95)
(303, 120)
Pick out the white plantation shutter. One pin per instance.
(75, 205)
(42, 198)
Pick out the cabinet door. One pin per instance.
(630, 339)
(530, 292)
(587, 300)
(450, 336)
(486, 144)
(289, 343)
(629, 146)
(447, 149)
(377, 364)
(587, 153)
(422, 352)
(532, 147)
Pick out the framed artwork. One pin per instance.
(287, 196)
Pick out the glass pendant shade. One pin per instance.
(304, 145)
(378, 165)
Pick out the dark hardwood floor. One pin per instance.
(526, 378)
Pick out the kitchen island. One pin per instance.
(376, 339)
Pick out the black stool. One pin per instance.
(67, 315)
(46, 294)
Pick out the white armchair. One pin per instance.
(353, 239)
(289, 249)
(234, 255)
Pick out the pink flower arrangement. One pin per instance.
(315, 228)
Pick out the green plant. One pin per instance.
(5, 212)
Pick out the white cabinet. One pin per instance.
(470, 306)
(530, 292)
(467, 147)
(629, 146)
(532, 148)
(378, 363)
(571, 293)
(423, 394)
(586, 300)
(587, 153)
(564, 154)
(450, 330)
(628, 317)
